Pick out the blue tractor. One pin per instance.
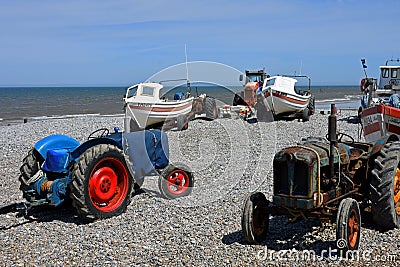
(100, 175)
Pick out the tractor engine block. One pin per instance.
(302, 173)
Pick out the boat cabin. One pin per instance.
(282, 84)
(144, 92)
(389, 77)
(279, 83)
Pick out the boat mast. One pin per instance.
(187, 73)
(369, 96)
(365, 67)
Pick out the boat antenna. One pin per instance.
(364, 67)
(301, 66)
(187, 72)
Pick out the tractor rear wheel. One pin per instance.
(311, 105)
(255, 218)
(176, 181)
(348, 225)
(211, 108)
(30, 166)
(385, 187)
(101, 184)
(305, 115)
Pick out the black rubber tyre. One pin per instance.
(359, 113)
(182, 123)
(30, 166)
(211, 108)
(255, 218)
(311, 105)
(101, 184)
(176, 181)
(348, 225)
(305, 116)
(385, 187)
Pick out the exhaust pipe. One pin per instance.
(332, 138)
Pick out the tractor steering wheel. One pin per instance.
(341, 135)
(99, 133)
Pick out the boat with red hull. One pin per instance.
(380, 122)
(380, 105)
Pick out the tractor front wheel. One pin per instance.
(175, 181)
(101, 183)
(385, 187)
(348, 225)
(255, 218)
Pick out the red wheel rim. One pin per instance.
(177, 182)
(396, 191)
(353, 227)
(108, 184)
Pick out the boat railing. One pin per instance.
(392, 60)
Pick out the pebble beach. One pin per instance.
(229, 157)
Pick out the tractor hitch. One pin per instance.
(14, 206)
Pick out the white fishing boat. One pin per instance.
(145, 107)
(283, 98)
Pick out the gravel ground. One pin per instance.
(229, 157)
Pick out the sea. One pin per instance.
(37, 103)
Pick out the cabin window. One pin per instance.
(385, 73)
(132, 92)
(394, 73)
(270, 82)
(149, 91)
(253, 78)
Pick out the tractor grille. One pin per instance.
(291, 178)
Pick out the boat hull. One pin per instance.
(380, 122)
(281, 103)
(147, 114)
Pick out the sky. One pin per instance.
(122, 42)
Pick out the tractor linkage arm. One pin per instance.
(14, 206)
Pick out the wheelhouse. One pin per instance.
(389, 77)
